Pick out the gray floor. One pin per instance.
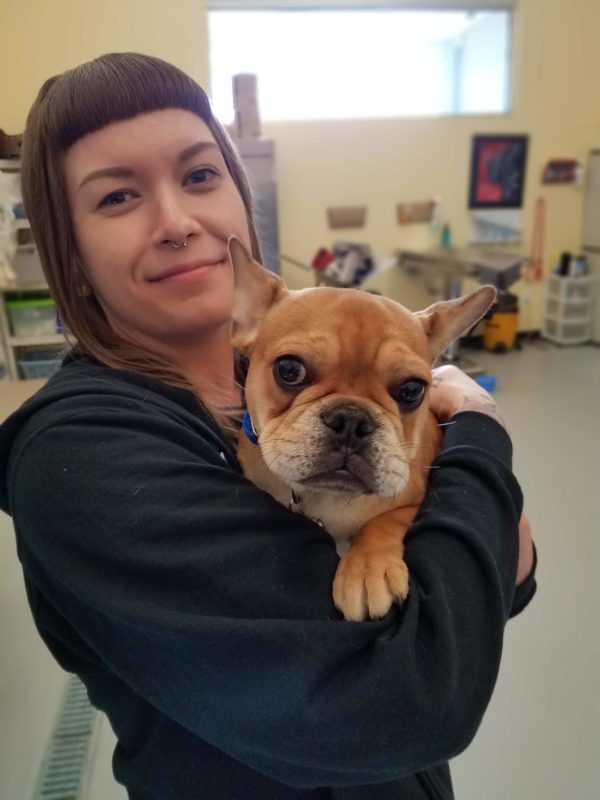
(539, 740)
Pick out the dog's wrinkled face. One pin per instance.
(339, 406)
(338, 378)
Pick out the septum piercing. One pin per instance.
(177, 246)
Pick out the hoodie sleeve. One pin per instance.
(213, 602)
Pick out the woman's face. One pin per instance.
(137, 186)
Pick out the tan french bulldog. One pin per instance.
(338, 425)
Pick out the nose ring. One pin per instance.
(177, 246)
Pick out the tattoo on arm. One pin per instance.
(483, 403)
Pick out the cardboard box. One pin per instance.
(346, 216)
(411, 213)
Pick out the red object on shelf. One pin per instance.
(322, 259)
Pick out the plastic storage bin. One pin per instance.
(566, 331)
(39, 364)
(35, 316)
(564, 289)
(569, 309)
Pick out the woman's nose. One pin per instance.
(173, 222)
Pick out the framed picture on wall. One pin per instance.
(498, 171)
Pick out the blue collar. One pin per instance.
(249, 428)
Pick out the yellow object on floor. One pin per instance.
(500, 331)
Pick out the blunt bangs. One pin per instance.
(117, 87)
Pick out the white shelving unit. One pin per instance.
(29, 281)
(568, 309)
(10, 164)
(13, 344)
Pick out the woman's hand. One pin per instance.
(525, 550)
(452, 391)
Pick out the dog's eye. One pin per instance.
(289, 371)
(410, 394)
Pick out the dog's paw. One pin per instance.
(367, 583)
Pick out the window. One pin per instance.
(340, 64)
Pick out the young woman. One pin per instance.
(196, 609)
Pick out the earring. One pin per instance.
(83, 290)
(82, 287)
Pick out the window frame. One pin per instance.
(417, 6)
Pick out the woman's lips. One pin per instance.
(187, 273)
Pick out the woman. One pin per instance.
(196, 609)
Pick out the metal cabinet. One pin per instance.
(258, 158)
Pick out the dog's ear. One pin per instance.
(447, 320)
(256, 290)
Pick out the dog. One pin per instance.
(338, 425)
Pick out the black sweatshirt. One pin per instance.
(198, 611)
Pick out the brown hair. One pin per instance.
(69, 106)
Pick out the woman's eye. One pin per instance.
(203, 175)
(410, 394)
(115, 198)
(290, 371)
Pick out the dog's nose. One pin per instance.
(351, 425)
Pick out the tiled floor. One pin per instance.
(31, 684)
(539, 740)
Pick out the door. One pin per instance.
(591, 223)
(593, 260)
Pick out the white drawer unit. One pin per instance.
(568, 309)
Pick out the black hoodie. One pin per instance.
(198, 611)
